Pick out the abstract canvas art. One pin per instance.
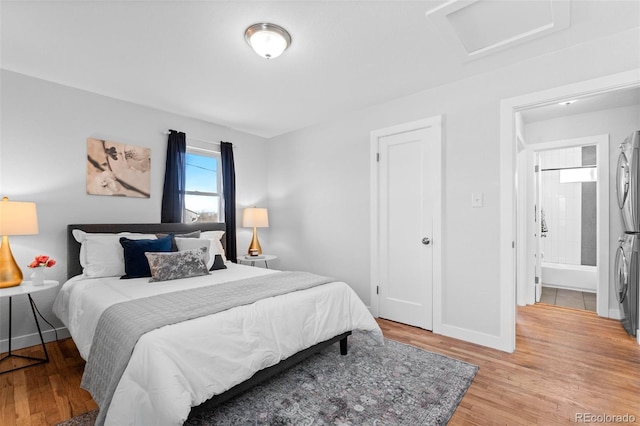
(117, 169)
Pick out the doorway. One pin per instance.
(568, 233)
(406, 218)
(512, 241)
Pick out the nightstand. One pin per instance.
(26, 288)
(253, 259)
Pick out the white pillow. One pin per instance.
(185, 244)
(101, 255)
(216, 248)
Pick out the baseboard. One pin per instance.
(479, 338)
(576, 288)
(28, 340)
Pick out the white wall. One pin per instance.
(562, 207)
(44, 131)
(618, 123)
(319, 180)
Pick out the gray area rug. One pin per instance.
(394, 384)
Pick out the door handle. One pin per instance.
(426, 241)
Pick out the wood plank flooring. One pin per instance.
(44, 394)
(567, 362)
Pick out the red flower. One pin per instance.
(42, 261)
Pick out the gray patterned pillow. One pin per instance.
(179, 264)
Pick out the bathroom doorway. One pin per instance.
(566, 180)
(568, 193)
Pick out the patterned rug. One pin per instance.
(394, 384)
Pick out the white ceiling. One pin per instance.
(190, 57)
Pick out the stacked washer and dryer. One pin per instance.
(627, 277)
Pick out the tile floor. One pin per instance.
(569, 298)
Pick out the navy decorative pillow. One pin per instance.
(135, 262)
(177, 264)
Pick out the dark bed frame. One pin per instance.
(74, 268)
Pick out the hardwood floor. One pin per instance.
(44, 394)
(567, 362)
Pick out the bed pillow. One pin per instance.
(135, 262)
(101, 254)
(194, 234)
(184, 244)
(177, 264)
(214, 262)
(215, 236)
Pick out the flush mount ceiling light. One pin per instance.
(567, 103)
(267, 40)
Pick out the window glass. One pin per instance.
(203, 198)
(587, 174)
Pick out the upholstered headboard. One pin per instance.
(73, 247)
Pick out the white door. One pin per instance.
(406, 196)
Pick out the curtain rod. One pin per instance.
(167, 132)
(569, 168)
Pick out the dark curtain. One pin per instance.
(229, 191)
(174, 179)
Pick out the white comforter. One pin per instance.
(179, 366)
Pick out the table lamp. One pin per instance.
(16, 218)
(255, 217)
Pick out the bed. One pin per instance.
(181, 368)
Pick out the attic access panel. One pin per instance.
(477, 28)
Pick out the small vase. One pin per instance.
(37, 277)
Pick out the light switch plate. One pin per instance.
(477, 199)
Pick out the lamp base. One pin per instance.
(10, 272)
(255, 244)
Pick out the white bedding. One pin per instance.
(179, 366)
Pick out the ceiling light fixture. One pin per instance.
(267, 40)
(566, 103)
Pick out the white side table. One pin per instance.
(26, 288)
(253, 259)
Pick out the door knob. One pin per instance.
(426, 241)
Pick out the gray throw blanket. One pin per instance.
(121, 325)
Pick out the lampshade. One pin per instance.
(267, 40)
(255, 217)
(16, 218)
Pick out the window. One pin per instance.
(203, 195)
(579, 174)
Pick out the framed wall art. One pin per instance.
(118, 169)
